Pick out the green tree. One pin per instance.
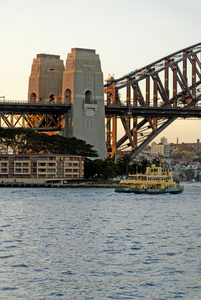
(24, 140)
(156, 161)
(124, 164)
(143, 164)
(110, 169)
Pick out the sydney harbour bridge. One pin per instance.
(145, 101)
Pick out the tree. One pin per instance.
(24, 140)
(156, 161)
(143, 164)
(124, 164)
(188, 155)
(110, 169)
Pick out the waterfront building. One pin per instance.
(163, 148)
(41, 167)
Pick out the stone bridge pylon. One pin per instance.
(79, 85)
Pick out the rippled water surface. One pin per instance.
(96, 244)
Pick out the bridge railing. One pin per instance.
(24, 102)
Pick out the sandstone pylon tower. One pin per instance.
(83, 88)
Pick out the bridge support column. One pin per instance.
(83, 89)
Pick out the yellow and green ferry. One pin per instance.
(156, 180)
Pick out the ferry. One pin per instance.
(156, 180)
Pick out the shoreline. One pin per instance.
(57, 185)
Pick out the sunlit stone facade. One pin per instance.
(80, 84)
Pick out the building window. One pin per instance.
(50, 176)
(88, 97)
(41, 170)
(68, 164)
(67, 96)
(59, 176)
(51, 170)
(51, 164)
(60, 164)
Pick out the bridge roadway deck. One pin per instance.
(144, 111)
(116, 110)
(20, 107)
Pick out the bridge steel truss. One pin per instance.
(38, 116)
(153, 97)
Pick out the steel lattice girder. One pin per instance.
(174, 80)
(36, 121)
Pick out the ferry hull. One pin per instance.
(177, 190)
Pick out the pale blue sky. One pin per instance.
(126, 34)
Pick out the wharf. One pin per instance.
(58, 185)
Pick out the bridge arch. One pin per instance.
(52, 97)
(33, 98)
(67, 96)
(147, 100)
(88, 96)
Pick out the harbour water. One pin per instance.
(96, 244)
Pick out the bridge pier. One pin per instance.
(83, 89)
(80, 85)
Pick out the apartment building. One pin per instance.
(163, 148)
(41, 166)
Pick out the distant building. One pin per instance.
(163, 148)
(41, 166)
